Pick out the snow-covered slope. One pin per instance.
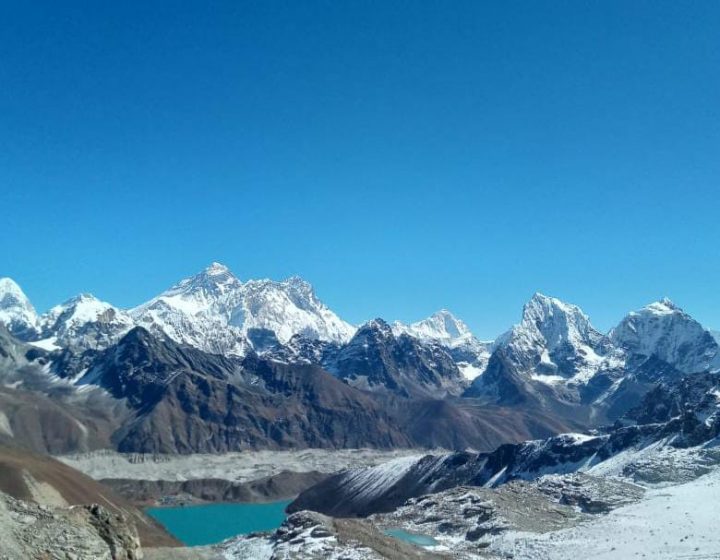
(668, 523)
(288, 308)
(553, 350)
(16, 312)
(83, 322)
(664, 330)
(555, 339)
(442, 327)
(215, 311)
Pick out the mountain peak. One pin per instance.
(664, 306)
(377, 325)
(301, 285)
(215, 278)
(664, 330)
(549, 324)
(8, 285)
(215, 268)
(16, 311)
(442, 326)
(549, 304)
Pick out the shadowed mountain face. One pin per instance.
(377, 360)
(225, 365)
(188, 401)
(150, 394)
(681, 415)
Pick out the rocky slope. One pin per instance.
(683, 415)
(40, 480)
(442, 327)
(29, 530)
(225, 364)
(376, 359)
(147, 394)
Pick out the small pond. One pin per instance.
(412, 538)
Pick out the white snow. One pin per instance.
(214, 311)
(668, 523)
(48, 344)
(664, 330)
(83, 321)
(442, 327)
(470, 371)
(368, 483)
(16, 311)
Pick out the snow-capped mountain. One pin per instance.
(555, 341)
(289, 308)
(442, 327)
(664, 331)
(216, 312)
(16, 312)
(83, 322)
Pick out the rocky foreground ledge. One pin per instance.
(29, 530)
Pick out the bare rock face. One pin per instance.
(120, 536)
(29, 530)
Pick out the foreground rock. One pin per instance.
(35, 479)
(29, 530)
(312, 536)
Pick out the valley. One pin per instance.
(386, 440)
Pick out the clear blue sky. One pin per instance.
(401, 155)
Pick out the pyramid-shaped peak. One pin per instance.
(214, 278)
(541, 306)
(215, 268)
(12, 296)
(16, 312)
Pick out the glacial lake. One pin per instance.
(213, 523)
(412, 538)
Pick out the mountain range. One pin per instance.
(216, 364)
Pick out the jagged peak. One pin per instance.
(542, 301)
(377, 324)
(136, 334)
(542, 309)
(555, 321)
(298, 281)
(664, 306)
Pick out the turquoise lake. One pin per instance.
(417, 540)
(210, 524)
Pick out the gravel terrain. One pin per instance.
(238, 467)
